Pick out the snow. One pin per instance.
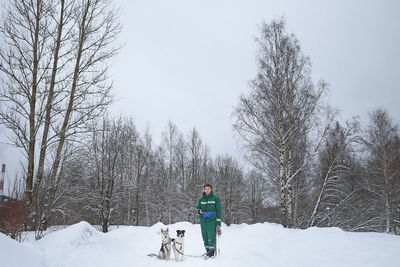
(241, 245)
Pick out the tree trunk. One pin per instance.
(32, 104)
(50, 96)
(282, 180)
(71, 98)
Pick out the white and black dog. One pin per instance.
(179, 245)
(165, 250)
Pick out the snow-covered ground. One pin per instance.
(241, 245)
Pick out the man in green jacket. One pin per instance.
(209, 209)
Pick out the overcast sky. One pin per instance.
(189, 61)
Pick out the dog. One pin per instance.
(179, 245)
(165, 250)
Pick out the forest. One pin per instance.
(302, 166)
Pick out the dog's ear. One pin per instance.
(178, 231)
(161, 230)
(183, 231)
(166, 229)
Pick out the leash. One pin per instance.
(193, 256)
(217, 250)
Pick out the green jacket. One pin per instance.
(210, 203)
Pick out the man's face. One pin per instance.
(207, 190)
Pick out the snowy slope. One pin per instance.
(242, 245)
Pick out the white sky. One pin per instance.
(188, 61)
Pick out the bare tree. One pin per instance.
(168, 149)
(181, 163)
(105, 189)
(24, 64)
(54, 75)
(149, 170)
(335, 184)
(256, 194)
(229, 185)
(142, 161)
(382, 142)
(196, 153)
(282, 105)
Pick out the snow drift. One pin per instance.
(241, 245)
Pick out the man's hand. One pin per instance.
(201, 212)
(219, 230)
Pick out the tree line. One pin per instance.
(119, 176)
(326, 173)
(82, 164)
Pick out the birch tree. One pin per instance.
(256, 191)
(230, 187)
(382, 142)
(167, 172)
(282, 104)
(335, 184)
(142, 163)
(196, 151)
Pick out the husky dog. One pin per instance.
(178, 245)
(165, 250)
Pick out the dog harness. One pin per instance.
(164, 247)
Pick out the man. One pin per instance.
(209, 208)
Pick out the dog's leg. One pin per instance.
(176, 254)
(180, 251)
(173, 247)
(167, 251)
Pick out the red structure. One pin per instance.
(12, 214)
(3, 174)
(12, 210)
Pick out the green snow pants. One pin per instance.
(208, 234)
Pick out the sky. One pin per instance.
(189, 61)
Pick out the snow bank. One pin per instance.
(17, 254)
(241, 245)
(76, 235)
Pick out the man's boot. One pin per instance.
(210, 254)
